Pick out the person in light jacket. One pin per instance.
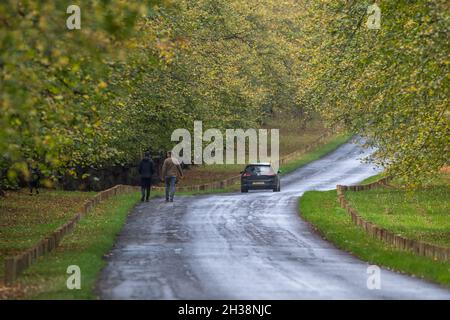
(171, 171)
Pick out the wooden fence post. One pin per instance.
(10, 270)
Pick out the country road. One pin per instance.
(247, 246)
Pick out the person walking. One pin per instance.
(146, 170)
(35, 178)
(171, 171)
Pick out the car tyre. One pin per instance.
(244, 190)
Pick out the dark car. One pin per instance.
(257, 176)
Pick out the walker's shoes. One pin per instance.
(171, 200)
(167, 200)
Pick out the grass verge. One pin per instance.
(316, 154)
(85, 246)
(323, 211)
(25, 219)
(422, 214)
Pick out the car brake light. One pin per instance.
(246, 174)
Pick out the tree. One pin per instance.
(54, 81)
(389, 85)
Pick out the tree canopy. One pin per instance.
(137, 70)
(389, 85)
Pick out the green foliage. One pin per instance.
(133, 73)
(55, 105)
(390, 85)
(137, 70)
(228, 64)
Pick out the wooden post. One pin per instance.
(10, 270)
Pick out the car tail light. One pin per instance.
(246, 174)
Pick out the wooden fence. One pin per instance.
(399, 242)
(15, 265)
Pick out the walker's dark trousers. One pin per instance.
(146, 170)
(34, 184)
(146, 185)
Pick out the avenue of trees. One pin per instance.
(137, 70)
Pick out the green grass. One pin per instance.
(422, 214)
(334, 223)
(85, 246)
(316, 154)
(25, 219)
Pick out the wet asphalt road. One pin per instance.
(247, 246)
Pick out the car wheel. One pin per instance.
(244, 190)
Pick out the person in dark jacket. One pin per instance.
(146, 170)
(35, 178)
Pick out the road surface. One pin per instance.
(247, 246)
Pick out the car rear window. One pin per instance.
(259, 170)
